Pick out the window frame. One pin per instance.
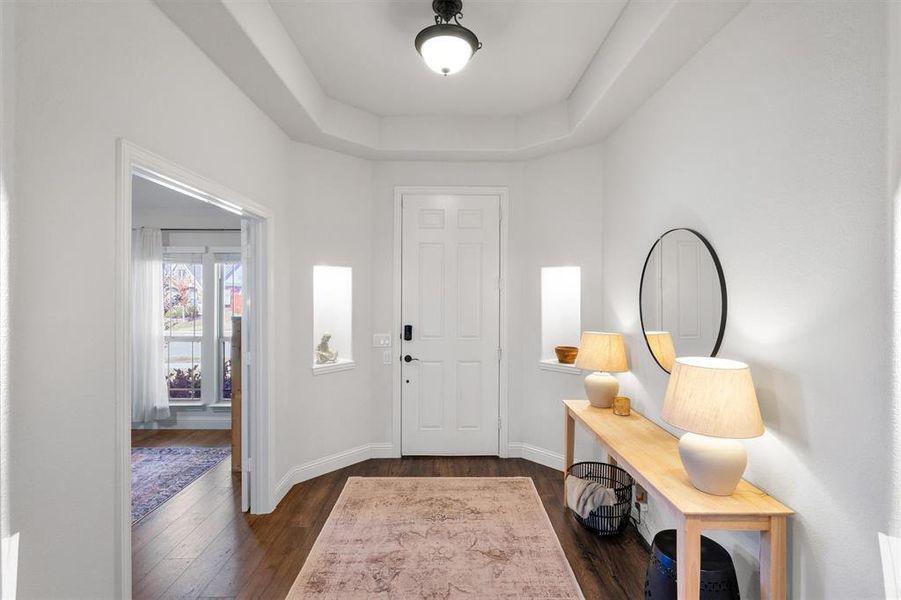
(223, 258)
(212, 367)
(187, 256)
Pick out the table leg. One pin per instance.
(772, 560)
(569, 445)
(688, 559)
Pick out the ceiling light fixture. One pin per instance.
(446, 46)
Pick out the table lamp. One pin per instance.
(603, 353)
(661, 345)
(713, 399)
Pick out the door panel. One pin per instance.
(689, 300)
(469, 393)
(431, 291)
(469, 290)
(451, 297)
(430, 395)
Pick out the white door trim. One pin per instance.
(131, 157)
(503, 195)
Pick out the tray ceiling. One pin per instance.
(534, 54)
(552, 75)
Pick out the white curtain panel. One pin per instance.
(149, 393)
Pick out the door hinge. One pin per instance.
(500, 284)
(247, 464)
(248, 359)
(499, 354)
(498, 423)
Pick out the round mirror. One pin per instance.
(682, 298)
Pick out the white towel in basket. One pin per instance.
(584, 496)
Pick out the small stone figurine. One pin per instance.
(324, 355)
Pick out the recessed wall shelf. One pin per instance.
(335, 367)
(561, 314)
(554, 365)
(333, 315)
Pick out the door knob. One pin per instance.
(409, 358)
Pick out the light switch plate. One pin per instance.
(386, 357)
(381, 340)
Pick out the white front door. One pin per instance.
(451, 305)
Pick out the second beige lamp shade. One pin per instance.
(714, 401)
(603, 353)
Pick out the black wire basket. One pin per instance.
(606, 520)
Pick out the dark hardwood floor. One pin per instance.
(199, 544)
(204, 438)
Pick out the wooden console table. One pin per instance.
(651, 456)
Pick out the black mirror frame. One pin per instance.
(719, 272)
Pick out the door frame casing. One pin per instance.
(129, 157)
(503, 197)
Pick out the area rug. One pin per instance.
(437, 538)
(157, 474)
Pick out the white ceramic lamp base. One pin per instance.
(601, 389)
(714, 465)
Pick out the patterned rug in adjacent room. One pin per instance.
(157, 474)
(437, 538)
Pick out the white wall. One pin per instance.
(770, 143)
(7, 131)
(893, 172)
(557, 222)
(89, 73)
(330, 209)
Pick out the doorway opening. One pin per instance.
(450, 394)
(187, 292)
(191, 297)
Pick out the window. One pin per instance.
(183, 323)
(202, 292)
(228, 275)
(561, 313)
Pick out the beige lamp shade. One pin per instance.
(713, 397)
(661, 345)
(599, 351)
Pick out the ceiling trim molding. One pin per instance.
(649, 43)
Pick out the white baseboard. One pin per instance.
(339, 460)
(385, 450)
(327, 464)
(535, 454)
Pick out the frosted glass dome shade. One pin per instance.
(446, 48)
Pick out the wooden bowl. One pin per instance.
(566, 355)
